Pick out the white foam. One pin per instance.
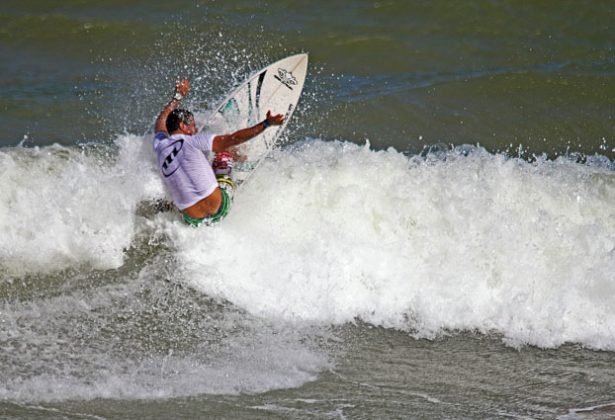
(328, 232)
(64, 207)
(65, 347)
(259, 368)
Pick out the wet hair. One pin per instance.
(177, 116)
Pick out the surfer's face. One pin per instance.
(189, 126)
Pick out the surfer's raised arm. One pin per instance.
(224, 142)
(181, 89)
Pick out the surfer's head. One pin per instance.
(181, 120)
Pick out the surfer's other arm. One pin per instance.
(225, 142)
(181, 90)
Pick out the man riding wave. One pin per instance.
(200, 190)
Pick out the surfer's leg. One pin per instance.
(223, 164)
(223, 169)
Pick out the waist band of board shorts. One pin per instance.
(222, 212)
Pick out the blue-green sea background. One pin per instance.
(501, 74)
(434, 239)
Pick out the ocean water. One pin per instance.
(435, 237)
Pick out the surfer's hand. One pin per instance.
(182, 87)
(277, 119)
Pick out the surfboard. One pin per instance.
(276, 88)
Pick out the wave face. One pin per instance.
(332, 232)
(329, 232)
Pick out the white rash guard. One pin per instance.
(184, 166)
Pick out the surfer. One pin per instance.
(201, 191)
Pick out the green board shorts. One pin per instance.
(222, 212)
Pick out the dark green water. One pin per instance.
(407, 74)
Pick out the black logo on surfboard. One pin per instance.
(286, 78)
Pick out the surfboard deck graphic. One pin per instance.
(276, 88)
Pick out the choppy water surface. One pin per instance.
(436, 237)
